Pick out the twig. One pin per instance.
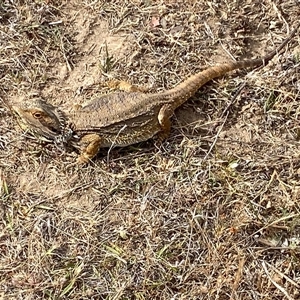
(275, 283)
(283, 275)
(114, 142)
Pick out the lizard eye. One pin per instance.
(37, 115)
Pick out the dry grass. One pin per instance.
(213, 214)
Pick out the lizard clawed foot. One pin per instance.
(82, 159)
(125, 86)
(90, 146)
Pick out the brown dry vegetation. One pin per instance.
(212, 214)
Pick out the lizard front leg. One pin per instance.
(90, 145)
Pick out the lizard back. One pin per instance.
(121, 118)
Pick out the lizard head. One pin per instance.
(40, 118)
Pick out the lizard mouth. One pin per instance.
(49, 132)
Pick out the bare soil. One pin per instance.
(211, 214)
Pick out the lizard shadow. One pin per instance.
(203, 115)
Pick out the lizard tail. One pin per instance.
(185, 90)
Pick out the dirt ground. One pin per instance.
(212, 213)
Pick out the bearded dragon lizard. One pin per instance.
(120, 119)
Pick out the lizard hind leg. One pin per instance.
(125, 86)
(91, 144)
(164, 117)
